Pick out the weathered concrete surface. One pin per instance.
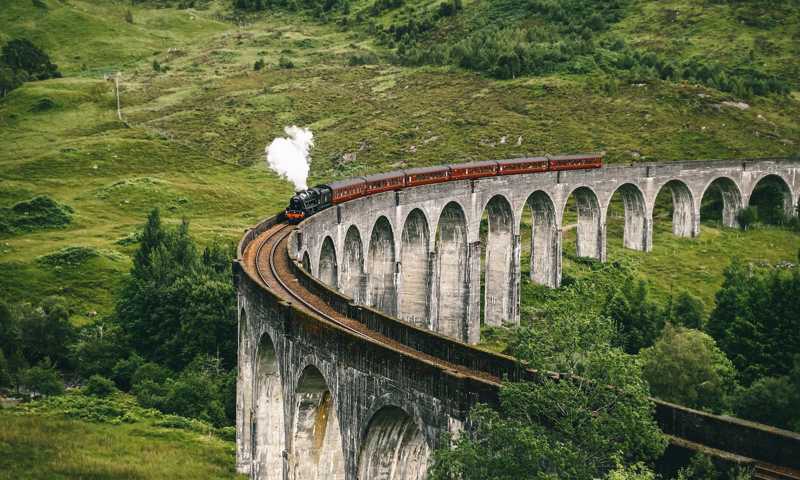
(392, 230)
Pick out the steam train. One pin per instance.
(308, 202)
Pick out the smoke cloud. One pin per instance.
(288, 156)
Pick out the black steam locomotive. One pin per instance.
(308, 202)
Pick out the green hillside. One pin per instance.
(382, 84)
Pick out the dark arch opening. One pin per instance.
(497, 262)
(626, 219)
(452, 264)
(674, 204)
(720, 203)
(306, 262)
(268, 430)
(772, 200)
(393, 448)
(318, 451)
(328, 269)
(352, 281)
(415, 270)
(381, 289)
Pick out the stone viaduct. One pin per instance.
(417, 253)
(318, 400)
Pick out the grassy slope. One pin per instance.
(198, 131)
(52, 447)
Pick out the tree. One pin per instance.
(573, 428)
(754, 321)
(687, 311)
(686, 367)
(22, 55)
(177, 303)
(772, 400)
(5, 372)
(746, 217)
(638, 319)
(45, 331)
(99, 386)
(42, 379)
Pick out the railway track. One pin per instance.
(269, 255)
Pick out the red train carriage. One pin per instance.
(522, 165)
(383, 182)
(575, 162)
(466, 171)
(349, 189)
(426, 175)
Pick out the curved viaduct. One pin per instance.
(354, 327)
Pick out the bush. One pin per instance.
(22, 55)
(42, 380)
(5, 371)
(38, 213)
(285, 62)
(259, 64)
(128, 16)
(746, 217)
(125, 369)
(707, 376)
(99, 386)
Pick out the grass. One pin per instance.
(39, 441)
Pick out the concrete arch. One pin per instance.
(545, 261)
(393, 448)
(306, 262)
(381, 283)
(684, 216)
(415, 270)
(452, 266)
(268, 428)
(731, 199)
(317, 447)
(590, 241)
(501, 260)
(328, 268)
(352, 271)
(436, 215)
(787, 205)
(637, 233)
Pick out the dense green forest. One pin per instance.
(117, 310)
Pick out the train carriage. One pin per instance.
(383, 182)
(345, 190)
(522, 165)
(575, 162)
(467, 171)
(426, 175)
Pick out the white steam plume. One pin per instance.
(288, 157)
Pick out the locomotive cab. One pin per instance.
(307, 202)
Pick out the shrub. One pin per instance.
(746, 217)
(125, 369)
(128, 16)
(68, 256)
(42, 379)
(259, 64)
(22, 55)
(285, 62)
(99, 386)
(5, 372)
(707, 376)
(41, 212)
(151, 372)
